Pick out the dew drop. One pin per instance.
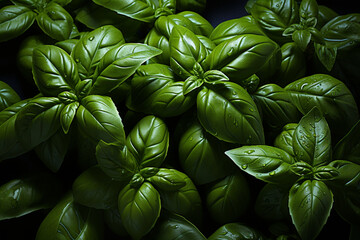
(91, 38)
(230, 51)
(272, 173)
(244, 166)
(191, 138)
(233, 93)
(251, 109)
(77, 60)
(249, 151)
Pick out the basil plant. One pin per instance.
(303, 163)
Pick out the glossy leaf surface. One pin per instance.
(236, 231)
(7, 96)
(348, 148)
(167, 180)
(285, 139)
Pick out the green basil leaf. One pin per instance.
(264, 162)
(172, 226)
(139, 209)
(312, 139)
(342, 32)
(229, 29)
(293, 64)
(91, 48)
(165, 24)
(100, 114)
(326, 55)
(191, 84)
(33, 4)
(285, 139)
(113, 221)
(116, 161)
(22, 196)
(236, 231)
(228, 112)
(171, 101)
(94, 189)
(349, 175)
(55, 22)
(193, 5)
(185, 51)
(146, 83)
(348, 147)
(310, 203)
(241, 56)
(209, 45)
(54, 71)
(67, 115)
(302, 38)
(185, 201)
(308, 9)
(14, 21)
(215, 76)
(52, 152)
(69, 220)
(228, 199)
(7, 96)
(167, 180)
(67, 45)
(156, 39)
(202, 156)
(10, 144)
(275, 16)
(325, 173)
(118, 64)
(148, 142)
(276, 106)
(141, 10)
(202, 26)
(325, 14)
(272, 203)
(331, 96)
(62, 2)
(38, 120)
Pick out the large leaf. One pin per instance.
(185, 201)
(172, 226)
(348, 148)
(118, 64)
(264, 162)
(275, 16)
(331, 96)
(55, 21)
(228, 112)
(14, 21)
(7, 96)
(139, 209)
(91, 48)
(231, 28)
(69, 220)
(93, 188)
(310, 203)
(100, 119)
(148, 142)
(228, 199)
(348, 178)
(10, 144)
(276, 107)
(312, 139)
(202, 156)
(22, 196)
(202, 26)
(236, 231)
(116, 161)
(38, 120)
(185, 51)
(54, 70)
(167, 180)
(137, 9)
(241, 56)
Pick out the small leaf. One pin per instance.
(7, 96)
(302, 38)
(325, 173)
(67, 115)
(167, 180)
(326, 55)
(191, 84)
(302, 168)
(215, 76)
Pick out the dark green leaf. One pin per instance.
(326, 55)
(215, 76)
(116, 161)
(202, 26)
(7, 96)
(310, 203)
(285, 139)
(312, 139)
(118, 64)
(137, 9)
(55, 21)
(67, 116)
(191, 84)
(228, 199)
(264, 162)
(14, 21)
(348, 148)
(167, 180)
(308, 9)
(241, 56)
(22, 196)
(348, 178)
(139, 209)
(236, 231)
(331, 96)
(93, 188)
(54, 71)
(100, 114)
(156, 39)
(302, 38)
(68, 221)
(38, 120)
(148, 142)
(92, 47)
(68, 45)
(325, 173)
(228, 112)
